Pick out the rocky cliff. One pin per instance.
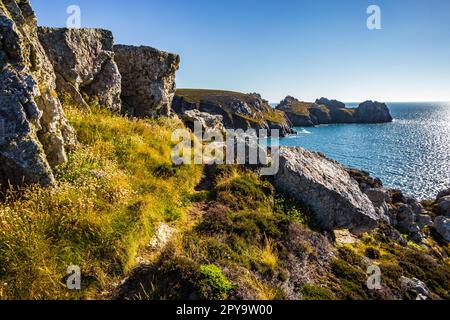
(148, 80)
(238, 110)
(325, 111)
(34, 134)
(86, 72)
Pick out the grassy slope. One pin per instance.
(262, 247)
(225, 98)
(114, 191)
(239, 239)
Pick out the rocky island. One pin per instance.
(87, 180)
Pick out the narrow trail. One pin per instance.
(132, 285)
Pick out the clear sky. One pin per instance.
(305, 48)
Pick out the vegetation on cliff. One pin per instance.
(111, 196)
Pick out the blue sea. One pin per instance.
(411, 154)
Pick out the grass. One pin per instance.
(110, 198)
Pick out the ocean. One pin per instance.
(411, 154)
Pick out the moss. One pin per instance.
(312, 292)
(352, 280)
(215, 285)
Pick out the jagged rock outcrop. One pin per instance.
(148, 80)
(402, 212)
(443, 203)
(325, 111)
(373, 112)
(35, 132)
(238, 110)
(327, 189)
(86, 72)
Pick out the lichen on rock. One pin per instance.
(148, 80)
(86, 72)
(39, 134)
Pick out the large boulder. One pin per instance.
(35, 132)
(327, 189)
(373, 112)
(86, 72)
(206, 121)
(238, 110)
(442, 226)
(148, 80)
(443, 206)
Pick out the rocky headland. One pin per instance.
(237, 110)
(95, 186)
(325, 111)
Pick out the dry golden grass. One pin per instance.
(108, 202)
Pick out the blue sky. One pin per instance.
(305, 48)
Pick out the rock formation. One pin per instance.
(324, 111)
(34, 134)
(402, 212)
(238, 110)
(442, 226)
(207, 122)
(148, 80)
(86, 72)
(327, 189)
(373, 112)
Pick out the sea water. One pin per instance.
(411, 154)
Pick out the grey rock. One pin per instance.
(41, 136)
(207, 121)
(380, 199)
(22, 157)
(323, 185)
(373, 112)
(406, 218)
(148, 80)
(443, 206)
(415, 285)
(442, 226)
(443, 193)
(424, 220)
(83, 60)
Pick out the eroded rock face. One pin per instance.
(86, 72)
(238, 110)
(373, 112)
(35, 132)
(148, 80)
(323, 185)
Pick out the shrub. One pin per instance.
(215, 285)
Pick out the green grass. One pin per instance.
(110, 198)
